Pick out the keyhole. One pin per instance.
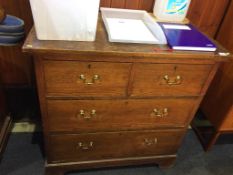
(89, 66)
(175, 69)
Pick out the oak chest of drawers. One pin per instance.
(107, 104)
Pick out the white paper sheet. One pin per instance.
(129, 29)
(178, 27)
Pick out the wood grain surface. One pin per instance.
(100, 146)
(63, 78)
(218, 103)
(119, 114)
(15, 66)
(207, 15)
(129, 4)
(225, 35)
(108, 51)
(183, 80)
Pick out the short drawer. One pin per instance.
(84, 147)
(169, 79)
(72, 78)
(110, 115)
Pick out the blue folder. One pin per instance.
(187, 37)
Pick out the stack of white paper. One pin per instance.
(129, 29)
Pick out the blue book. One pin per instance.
(186, 37)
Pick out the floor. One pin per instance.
(23, 156)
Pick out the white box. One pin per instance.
(72, 20)
(132, 26)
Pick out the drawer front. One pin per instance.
(111, 115)
(169, 79)
(84, 147)
(71, 78)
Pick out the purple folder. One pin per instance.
(186, 37)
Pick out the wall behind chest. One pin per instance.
(16, 67)
(16, 70)
(207, 15)
(225, 34)
(129, 4)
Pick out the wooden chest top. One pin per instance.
(102, 47)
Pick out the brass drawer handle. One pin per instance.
(94, 79)
(150, 142)
(87, 116)
(85, 146)
(173, 81)
(160, 113)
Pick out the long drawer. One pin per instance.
(84, 147)
(169, 79)
(110, 115)
(86, 79)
